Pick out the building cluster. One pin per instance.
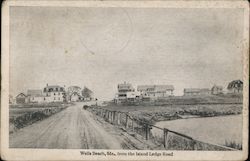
(234, 87)
(127, 93)
(53, 93)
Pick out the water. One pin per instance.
(214, 130)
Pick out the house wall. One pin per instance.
(20, 100)
(35, 99)
(217, 91)
(74, 98)
(54, 97)
(158, 94)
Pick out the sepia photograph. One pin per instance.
(138, 81)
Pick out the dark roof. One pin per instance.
(125, 86)
(235, 84)
(54, 88)
(34, 92)
(21, 94)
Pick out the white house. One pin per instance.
(53, 93)
(123, 90)
(132, 96)
(35, 96)
(216, 90)
(155, 91)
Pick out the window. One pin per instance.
(54, 94)
(44, 99)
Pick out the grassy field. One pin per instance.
(171, 112)
(20, 109)
(26, 114)
(15, 112)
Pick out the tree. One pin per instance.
(87, 93)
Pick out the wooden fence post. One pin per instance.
(109, 114)
(126, 125)
(114, 117)
(111, 118)
(133, 128)
(195, 145)
(118, 118)
(101, 112)
(106, 115)
(165, 136)
(147, 131)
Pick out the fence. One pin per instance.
(161, 137)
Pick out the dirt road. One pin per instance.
(72, 128)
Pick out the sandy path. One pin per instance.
(72, 128)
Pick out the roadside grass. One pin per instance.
(27, 114)
(233, 144)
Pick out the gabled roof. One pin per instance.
(34, 92)
(21, 95)
(53, 86)
(125, 86)
(75, 93)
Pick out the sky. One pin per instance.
(101, 47)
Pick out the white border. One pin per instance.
(68, 154)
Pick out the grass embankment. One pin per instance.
(27, 114)
(177, 107)
(153, 114)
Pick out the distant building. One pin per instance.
(123, 89)
(74, 94)
(133, 96)
(196, 91)
(53, 94)
(216, 90)
(235, 86)
(35, 96)
(21, 98)
(74, 97)
(155, 91)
